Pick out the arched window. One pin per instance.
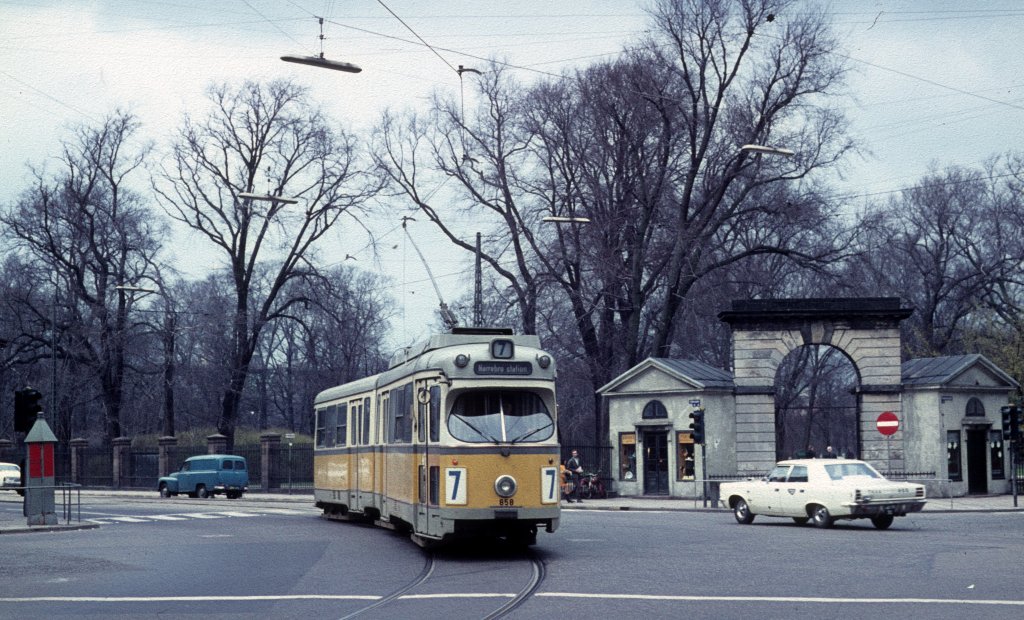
(655, 410)
(975, 408)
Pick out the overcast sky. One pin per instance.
(935, 82)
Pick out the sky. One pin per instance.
(934, 83)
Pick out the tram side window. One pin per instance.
(341, 427)
(421, 419)
(325, 421)
(435, 413)
(366, 420)
(383, 418)
(355, 419)
(401, 422)
(321, 419)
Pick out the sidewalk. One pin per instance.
(971, 503)
(12, 520)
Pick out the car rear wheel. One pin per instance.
(742, 512)
(882, 521)
(820, 517)
(201, 492)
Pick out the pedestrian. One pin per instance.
(575, 467)
(829, 454)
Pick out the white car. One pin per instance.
(821, 491)
(10, 476)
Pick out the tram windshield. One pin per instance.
(500, 416)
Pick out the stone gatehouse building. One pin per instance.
(948, 408)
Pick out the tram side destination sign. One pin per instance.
(505, 369)
(888, 423)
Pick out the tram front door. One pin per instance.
(655, 462)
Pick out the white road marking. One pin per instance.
(473, 595)
(240, 514)
(782, 599)
(166, 517)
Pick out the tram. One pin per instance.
(455, 440)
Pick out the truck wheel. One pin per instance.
(164, 492)
(201, 492)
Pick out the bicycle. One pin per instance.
(591, 486)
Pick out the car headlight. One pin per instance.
(505, 486)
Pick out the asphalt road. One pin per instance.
(229, 559)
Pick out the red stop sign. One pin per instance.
(888, 423)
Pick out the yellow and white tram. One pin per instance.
(456, 439)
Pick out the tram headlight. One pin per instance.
(505, 486)
(461, 360)
(543, 361)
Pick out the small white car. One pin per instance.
(822, 491)
(10, 476)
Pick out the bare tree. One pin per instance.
(256, 134)
(745, 73)
(87, 232)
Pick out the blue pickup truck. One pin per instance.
(203, 476)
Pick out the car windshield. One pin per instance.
(500, 416)
(842, 471)
(9, 468)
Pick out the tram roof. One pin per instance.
(461, 336)
(417, 357)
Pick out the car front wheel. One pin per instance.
(742, 512)
(201, 492)
(882, 521)
(820, 517)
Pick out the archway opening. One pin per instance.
(816, 404)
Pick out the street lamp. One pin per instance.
(268, 198)
(320, 61)
(559, 219)
(767, 150)
(323, 63)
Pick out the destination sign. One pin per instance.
(503, 368)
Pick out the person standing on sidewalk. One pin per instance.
(575, 467)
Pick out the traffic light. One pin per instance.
(1011, 421)
(26, 409)
(697, 426)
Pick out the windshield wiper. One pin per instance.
(462, 419)
(532, 433)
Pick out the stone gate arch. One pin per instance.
(764, 331)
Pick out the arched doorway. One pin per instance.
(816, 404)
(866, 330)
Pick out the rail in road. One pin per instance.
(433, 561)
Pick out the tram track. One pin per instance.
(432, 564)
(539, 572)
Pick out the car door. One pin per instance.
(794, 492)
(774, 490)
